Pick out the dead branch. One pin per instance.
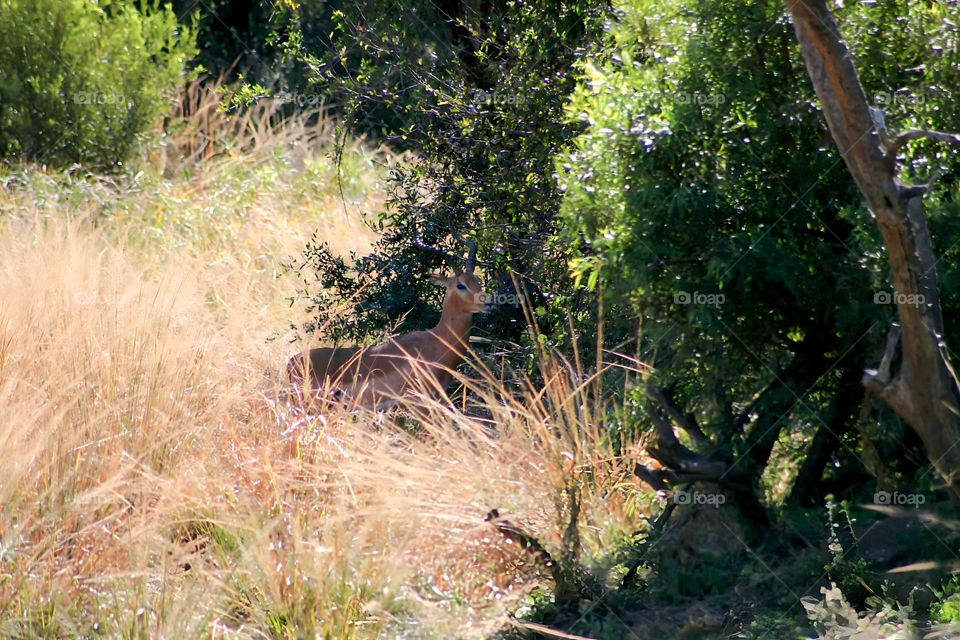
(515, 535)
(656, 478)
(923, 390)
(686, 421)
(544, 630)
(915, 134)
(877, 380)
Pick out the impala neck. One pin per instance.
(454, 329)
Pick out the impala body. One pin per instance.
(379, 376)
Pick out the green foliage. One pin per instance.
(848, 571)
(81, 82)
(691, 184)
(480, 97)
(947, 606)
(718, 215)
(712, 575)
(774, 624)
(232, 36)
(709, 199)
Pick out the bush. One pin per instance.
(716, 211)
(82, 81)
(482, 102)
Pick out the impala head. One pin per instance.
(464, 293)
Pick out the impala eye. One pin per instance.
(461, 286)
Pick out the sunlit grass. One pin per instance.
(151, 484)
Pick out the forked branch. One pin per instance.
(921, 385)
(686, 421)
(879, 379)
(685, 465)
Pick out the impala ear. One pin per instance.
(439, 279)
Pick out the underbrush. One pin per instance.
(158, 482)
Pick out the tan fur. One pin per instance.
(378, 376)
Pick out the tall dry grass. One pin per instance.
(148, 482)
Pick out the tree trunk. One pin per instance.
(920, 385)
(808, 489)
(778, 401)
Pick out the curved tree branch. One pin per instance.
(686, 421)
(917, 134)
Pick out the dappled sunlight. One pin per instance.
(167, 481)
(336, 319)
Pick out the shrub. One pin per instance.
(708, 200)
(82, 81)
(482, 102)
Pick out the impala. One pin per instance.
(379, 376)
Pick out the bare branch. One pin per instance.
(668, 449)
(879, 380)
(656, 478)
(924, 390)
(685, 421)
(544, 630)
(515, 535)
(920, 190)
(886, 362)
(880, 124)
(917, 134)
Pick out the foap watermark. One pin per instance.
(699, 498)
(497, 97)
(710, 99)
(299, 99)
(98, 97)
(894, 297)
(897, 98)
(695, 297)
(501, 299)
(897, 499)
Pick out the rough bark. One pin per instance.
(923, 388)
(683, 465)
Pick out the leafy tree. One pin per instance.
(922, 387)
(82, 81)
(478, 89)
(232, 36)
(700, 193)
(711, 199)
